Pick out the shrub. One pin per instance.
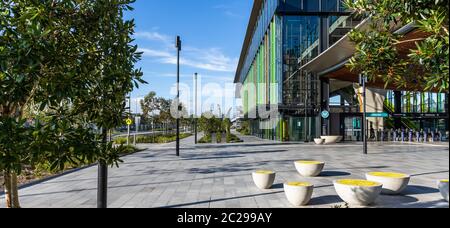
(153, 139)
(233, 139)
(129, 150)
(205, 139)
(120, 140)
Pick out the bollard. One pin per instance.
(395, 136)
(403, 135)
(389, 134)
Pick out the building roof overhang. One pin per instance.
(331, 64)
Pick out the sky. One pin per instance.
(212, 33)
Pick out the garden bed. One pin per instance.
(228, 139)
(30, 174)
(152, 139)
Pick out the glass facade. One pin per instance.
(420, 110)
(310, 6)
(300, 43)
(287, 35)
(287, 32)
(419, 102)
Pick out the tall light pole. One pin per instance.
(178, 46)
(136, 122)
(363, 80)
(196, 117)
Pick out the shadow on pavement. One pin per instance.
(416, 190)
(218, 200)
(334, 174)
(324, 200)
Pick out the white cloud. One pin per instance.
(229, 13)
(154, 36)
(147, 52)
(211, 59)
(227, 10)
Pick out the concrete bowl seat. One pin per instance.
(298, 193)
(319, 141)
(264, 179)
(331, 139)
(358, 192)
(393, 183)
(309, 168)
(443, 188)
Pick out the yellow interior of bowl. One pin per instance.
(299, 184)
(264, 172)
(389, 175)
(309, 162)
(444, 181)
(360, 183)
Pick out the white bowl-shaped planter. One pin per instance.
(443, 187)
(309, 168)
(393, 183)
(358, 192)
(298, 193)
(331, 139)
(263, 178)
(319, 141)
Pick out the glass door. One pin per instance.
(353, 129)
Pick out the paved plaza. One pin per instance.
(219, 175)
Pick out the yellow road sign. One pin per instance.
(129, 121)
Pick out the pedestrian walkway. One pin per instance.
(219, 175)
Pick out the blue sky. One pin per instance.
(212, 32)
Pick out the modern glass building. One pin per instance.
(283, 62)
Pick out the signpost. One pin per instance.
(363, 81)
(378, 115)
(129, 122)
(325, 114)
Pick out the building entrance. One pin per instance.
(353, 128)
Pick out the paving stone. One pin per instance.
(219, 175)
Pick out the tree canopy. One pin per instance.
(72, 60)
(377, 54)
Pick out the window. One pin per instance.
(342, 7)
(329, 5)
(433, 103)
(292, 5)
(311, 5)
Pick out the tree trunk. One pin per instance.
(14, 191)
(7, 177)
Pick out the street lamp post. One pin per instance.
(178, 46)
(137, 122)
(196, 117)
(363, 80)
